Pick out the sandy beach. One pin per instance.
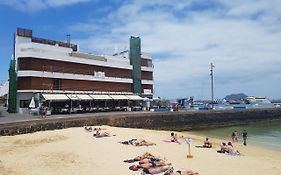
(75, 151)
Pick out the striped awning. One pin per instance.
(84, 97)
(101, 97)
(119, 97)
(72, 96)
(55, 97)
(134, 97)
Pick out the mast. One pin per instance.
(212, 84)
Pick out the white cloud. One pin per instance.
(36, 5)
(242, 38)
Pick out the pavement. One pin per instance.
(6, 117)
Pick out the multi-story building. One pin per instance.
(58, 74)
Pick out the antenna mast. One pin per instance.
(68, 38)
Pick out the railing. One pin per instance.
(54, 43)
(80, 71)
(24, 32)
(28, 33)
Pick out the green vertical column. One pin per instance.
(12, 101)
(135, 61)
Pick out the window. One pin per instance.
(57, 84)
(24, 103)
(149, 63)
(99, 74)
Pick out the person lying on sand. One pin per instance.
(99, 134)
(143, 158)
(136, 142)
(148, 165)
(88, 128)
(223, 149)
(95, 129)
(129, 142)
(144, 143)
(166, 169)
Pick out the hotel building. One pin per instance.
(58, 74)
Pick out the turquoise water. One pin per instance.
(265, 134)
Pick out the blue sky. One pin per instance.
(241, 37)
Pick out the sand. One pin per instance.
(75, 151)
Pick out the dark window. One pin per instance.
(57, 84)
(24, 103)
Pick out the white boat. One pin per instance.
(258, 100)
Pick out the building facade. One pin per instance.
(57, 72)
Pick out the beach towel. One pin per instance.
(201, 146)
(103, 136)
(168, 141)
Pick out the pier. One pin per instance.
(179, 121)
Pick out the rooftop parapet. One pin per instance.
(28, 33)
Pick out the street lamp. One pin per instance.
(212, 84)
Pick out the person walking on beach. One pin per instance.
(236, 136)
(245, 135)
(232, 136)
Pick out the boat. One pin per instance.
(258, 100)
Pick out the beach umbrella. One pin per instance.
(32, 103)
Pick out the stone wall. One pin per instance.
(188, 120)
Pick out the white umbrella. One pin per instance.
(32, 103)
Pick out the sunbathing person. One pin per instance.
(88, 128)
(99, 129)
(231, 150)
(129, 142)
(144, 143)
(207, 143)
(136, 142)
(174, 138)
(223, 149)
(148, 165)
(99, 134)
(142, 158)
(156, 170)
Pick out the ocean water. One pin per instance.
(265, 134)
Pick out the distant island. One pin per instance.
(238, 96)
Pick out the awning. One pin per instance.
(55, 97)
(101, 97)
(134, 97)
(84, 97)
(119, 97)
(72, 96)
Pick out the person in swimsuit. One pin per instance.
(207, 143)
(141, 158)
(157, 170)
(174, 138)
(148, 165)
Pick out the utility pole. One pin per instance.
(212, 84)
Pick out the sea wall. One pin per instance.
(183, 120)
